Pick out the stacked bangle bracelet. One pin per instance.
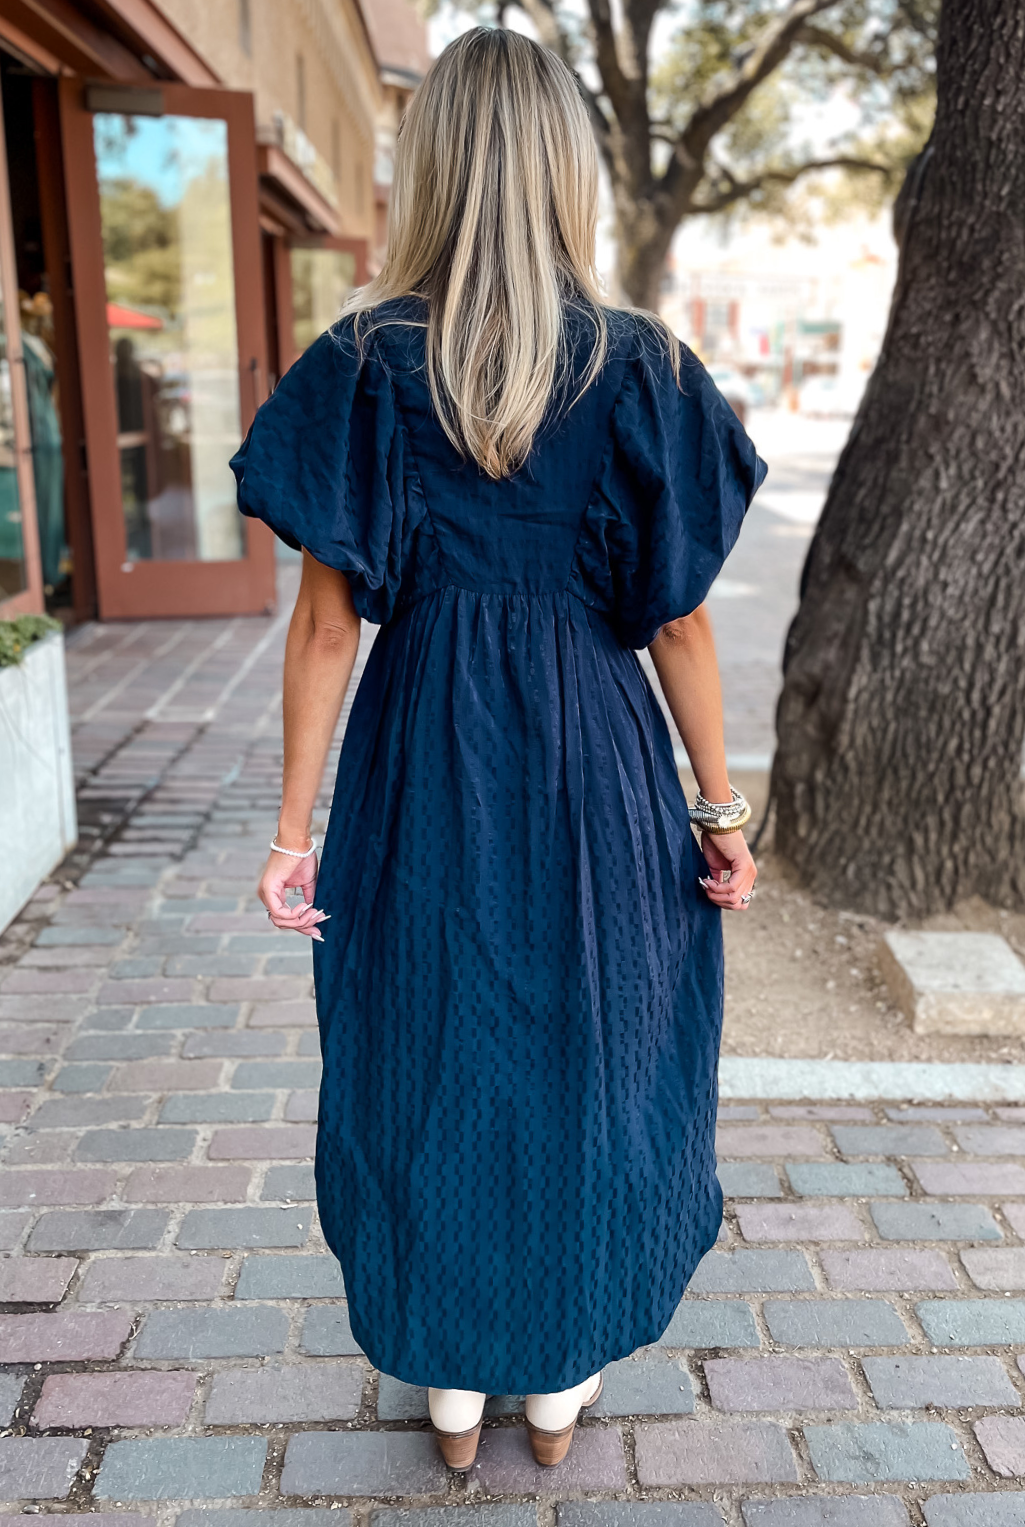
(715, 818)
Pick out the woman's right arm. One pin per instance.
(319, 656)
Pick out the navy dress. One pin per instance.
(520, 988)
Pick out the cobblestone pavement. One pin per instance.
(174, 1338)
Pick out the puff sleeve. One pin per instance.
(680, 477)
(323, 466)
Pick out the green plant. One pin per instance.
(16, 636)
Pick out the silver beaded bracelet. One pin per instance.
(723, 817)
(293, 853)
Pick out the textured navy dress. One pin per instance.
(520, 988)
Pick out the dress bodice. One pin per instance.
(631, 497)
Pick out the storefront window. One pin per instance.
(167, 245)
(12, 554)
(321, 281)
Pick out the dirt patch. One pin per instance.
(803, 980)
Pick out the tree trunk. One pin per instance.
(642, 243)
(897, 777)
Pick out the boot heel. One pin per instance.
(550, 1448)
(459, 1449)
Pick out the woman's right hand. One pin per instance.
(732, 871)
(282, 873)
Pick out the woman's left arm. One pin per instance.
(320, 652)
(683, 653)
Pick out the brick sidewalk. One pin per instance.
(175, 1337)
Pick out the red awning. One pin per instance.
(119, 317)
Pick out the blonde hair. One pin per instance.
(493, 217)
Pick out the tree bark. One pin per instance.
(897, 777)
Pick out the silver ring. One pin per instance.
(745, 899)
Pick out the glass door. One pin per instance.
(165, 244)
(21, 584)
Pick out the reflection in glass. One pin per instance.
(321, 281)
(12, 552)
(164, 201)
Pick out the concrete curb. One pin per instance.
(742, 1076)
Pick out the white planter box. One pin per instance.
(38, 824)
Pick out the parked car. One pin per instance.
(831, 397)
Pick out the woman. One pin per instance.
(520, 988)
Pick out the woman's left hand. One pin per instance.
(732, 871)
(281, 874)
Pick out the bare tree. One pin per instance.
(897, 777)
(687, 133)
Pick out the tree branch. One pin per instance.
(737, 190)
(828, 42)
(723, 100)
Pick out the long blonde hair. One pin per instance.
(493, 216)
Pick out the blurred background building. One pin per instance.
(188, 190)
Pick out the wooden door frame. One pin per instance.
(142, 589)
(30, 600)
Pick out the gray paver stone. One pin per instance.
(254, 1075)
(136, 1145)
(752, 1272)
(89, 1077)
(505, 1464)
(910, 1383)
(363, 1463)
(886, 1269)
(779, 1383)
(294, 1184)
(188, 1015)
(311, 1392)
(98, 1230)
(251, 1226)
(846, 1179)
(749, 1179)
(218, 1108)
(113, 1279)
(984, 1510)
(711, 1323)
(935, 1222)
(869, 1452)
(654, 1384)
(241, 1516)
(164, 1468)
(310, 1277)
(119, 1046)
(889, 1140)
(995, 1267)
(81, 1113)
(232, 1042)
(979, 1179)
(654, 1513)
(21, 1073)
(11, 1385)
(155, 1398)
(89, 1519)
(713, 1453)
(39, 1468)
(834, 1323)
(186, 1334)
(327, 1333)
(973, 1322)
(35, 1280)
(455, 1516)
(991, 1140)
(852, 1511)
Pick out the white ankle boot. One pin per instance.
(456, 1415)
(552, 1418)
